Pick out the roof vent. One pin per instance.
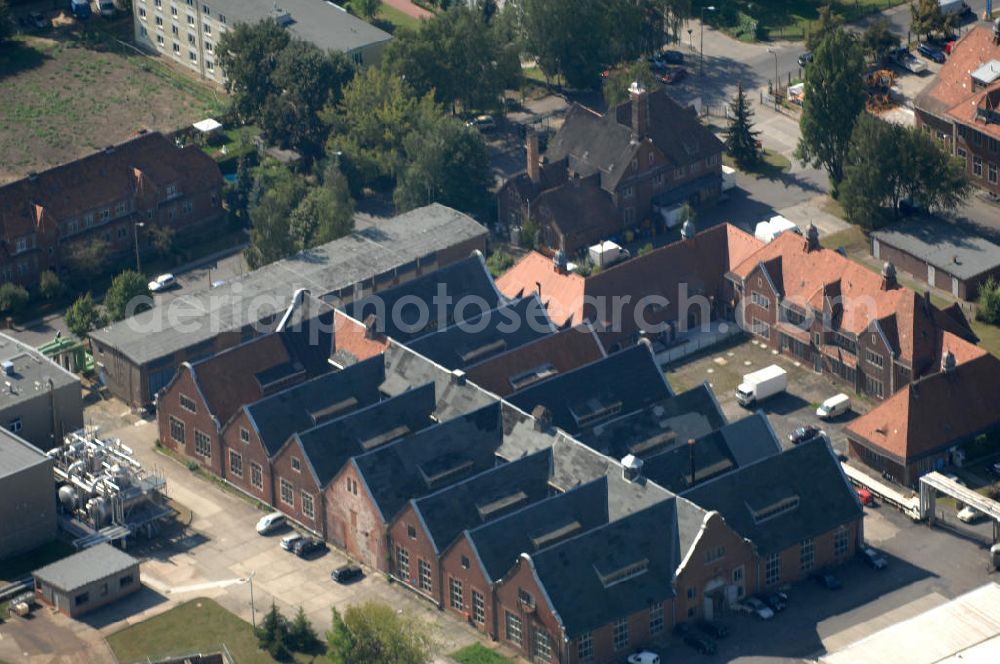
(458, 377)
(947, 362)
(8, 368)
(110, 149)
(632, 468)
(688, 230)
(543, 417)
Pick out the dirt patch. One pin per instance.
(73, 92)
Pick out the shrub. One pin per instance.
(13, 297)
(989, 302)
(49, 285)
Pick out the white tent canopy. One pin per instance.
(207, 126)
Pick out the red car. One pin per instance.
(866, 497)
(674, 75)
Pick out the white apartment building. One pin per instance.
(188, 30)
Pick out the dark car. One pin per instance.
(931, 53)
(308, 546)
(828, 581)
(701, 644)
(714, 629)
(673, 57)
(805, 58)
(675, 75)
(346, 574)
(802, 434)
(777, 601)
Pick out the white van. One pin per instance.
(834, 406)
(270, 522)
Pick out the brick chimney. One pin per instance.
(812, 238)
(534, 168)
(371, 326)
(889, 276)
(640, 109)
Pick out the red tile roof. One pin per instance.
(562, 294)
(350, 343)
(935, 411)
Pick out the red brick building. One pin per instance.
(46, 216)
(602, 174)
(863, 330)
(961, 107)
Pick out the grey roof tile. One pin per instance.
(93, 564)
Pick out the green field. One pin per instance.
(790, 19)
(479, 654)
(397, 18)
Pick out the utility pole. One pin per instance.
(138, 264)
(253, 610)
(777, 83)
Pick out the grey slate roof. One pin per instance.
(716, 453)
(571, 572)
(32, 371)
(806, 481)
(305, 405)
(658, 427)
(484, 498)
(327, 26)
(404, 368)
(943, 245)
(330, 445)
(430, 459)
(394, 246)
(486, 335)
(17, 454)
(624, 382)
(466, 283)
(93, 564)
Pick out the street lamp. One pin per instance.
(138, 265)
(701, 64)
(253, 611)
(774, 91)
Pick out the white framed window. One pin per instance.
(159, 21)
(772, 569)
(977, 166)
(841, 542)
(142, 13)
(202, 444)
(188, 404)
(256, 475)
(656, 619)
(619, 635)
(424, 572)
(296, 464)
(455, 596)
(807, 554)
(287, 493)
(244, 435)
(962, 155)
(761, 300)
(177, 429)
(191, 40)
(478, 607)
(190, 19)
(209, 65)
(760, 328)
(177, 48)
(585, 648)
(308, 509)
(236, 463)
(541, 647)
(403, 563)
(159, 39)
(513, 624)
(206, 28)
(993, 173)
(874, 386)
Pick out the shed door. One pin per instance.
(875, 247)
(954, 286)
(930, 274)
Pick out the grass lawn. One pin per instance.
(479, 654)
(852, 239)
(22, 565)
(76, 90)
(200, 625)
(790, 19)
(773, 165)
(397, 18)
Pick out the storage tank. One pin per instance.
(97, 509)
(67, 497)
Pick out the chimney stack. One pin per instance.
(559, 263)
(947, 362)
(534, 167)
(640, 109)
(371, 321)
(691, 458)
(889, 276)
(812, 237)
(688, 230)
(543, 417)
(632, 468)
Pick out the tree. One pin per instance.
(272, 635)
(238, 194)
(675, 13)
(631, 28)
(324, 214)
(6, 22)
(248, 54)
(128, 295)
(930, 175)
(926, 18)
(13, 297)
(988, 305)
(366, 9)
(446, 163)
(568, 38)
(270, 234)
(49, 285)
(878, 40)
(374, 633)
(827, 23)
(499, 262)
(834, 96)
(301, 635)
(83, 316)
(741, 138)
(164, 239)
(304, 81)
(616, 85)
(89, 257)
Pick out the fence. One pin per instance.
(697, 341)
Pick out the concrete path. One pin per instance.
(408, 8)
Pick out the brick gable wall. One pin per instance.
(353, 522)
(250, 453)
(283, 468)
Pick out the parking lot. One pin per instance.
(725, 365)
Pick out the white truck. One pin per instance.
(766, 231)
(761, 384)
(956, 7)
(607, 253)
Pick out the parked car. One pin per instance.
(802, 434)
(162, 283)
(714, 629)
(805, 59)
(833, 407)
(700, 644)
(288, 542)
(664, 58)
(484, 123)
(761, 610)
(827, 580)
(969, 514)
(865, 496)
(931, 53)
(643, 657)
(675, 75)
(346, 574)
(905, 59)
(270, 522)
(874, 559)
(777, 601)
(308, 546)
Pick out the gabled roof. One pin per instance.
(144, 164)
(611, 571)
(550, 355)
(485, 335)
(784, 498)
(431, 459)
(350, 342)
(717, 453)
(562, 292)
(620, 383)
(305, 405)
(85, 567)
(455, 291)
(484, 498)
(328, 446)
(657, 427)
(579, 207)
(934, 412)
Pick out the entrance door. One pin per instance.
(875, 247)
(954, 286)
(930, 274)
